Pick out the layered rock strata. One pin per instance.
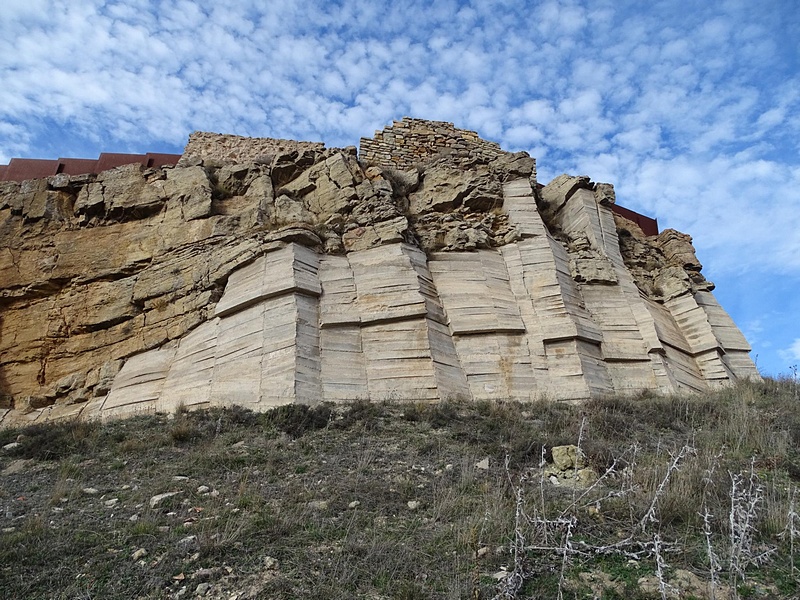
(303, 274)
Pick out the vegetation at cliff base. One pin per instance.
(686, 496)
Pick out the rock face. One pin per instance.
(265, 272)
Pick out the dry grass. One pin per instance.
(321, 497)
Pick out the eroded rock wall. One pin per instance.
(307, 275)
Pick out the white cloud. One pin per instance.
(792, 353)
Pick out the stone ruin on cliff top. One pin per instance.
(258, 272)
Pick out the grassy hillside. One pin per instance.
(692, 496)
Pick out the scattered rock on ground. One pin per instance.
(159, 498)
(139, 554)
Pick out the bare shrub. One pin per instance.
(297, 419)
(53, 441)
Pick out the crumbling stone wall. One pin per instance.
(237, 148)
(410, 142)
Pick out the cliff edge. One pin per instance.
(428, 265)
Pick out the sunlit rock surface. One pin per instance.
(261, 272)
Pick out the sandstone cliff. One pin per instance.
(264, 272)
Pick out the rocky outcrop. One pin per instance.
(225, 148)
(302, 274)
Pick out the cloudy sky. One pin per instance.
(691, 108)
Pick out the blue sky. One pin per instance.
(690, 108)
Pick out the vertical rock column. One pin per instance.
(271, 355)
(677, 358)
(384, 334)
(736, 350)
(703, 343)
(485, 322)
(631, 349)
(550, 302)
(260, 350)
(448, 372)
(344, 369)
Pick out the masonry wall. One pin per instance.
(410, 142)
